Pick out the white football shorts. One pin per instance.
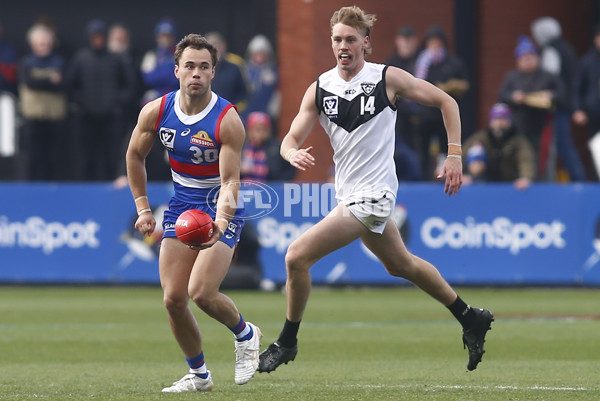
(373, 213)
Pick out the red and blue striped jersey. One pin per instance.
(193, 146)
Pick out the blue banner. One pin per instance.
(488, 234)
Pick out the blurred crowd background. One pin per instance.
(78, 74)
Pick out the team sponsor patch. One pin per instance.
(202, 139)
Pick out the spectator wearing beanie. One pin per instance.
(499, 153)
(531, 93)
(261, 161)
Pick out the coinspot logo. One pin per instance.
(258, 199)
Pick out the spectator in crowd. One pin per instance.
(101, 84)
(407, 46)
(60, 46)
(499, 153)
(587, 89)
(408, 164)
(43, 104)
(263, 78)
(119, 42)
(558, 57)
(231, 76)
(157, 64)
(531, 93)
(261, 161)
(8, 65)
(437, 65)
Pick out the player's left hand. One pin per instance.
(216, 236)
(452, 170)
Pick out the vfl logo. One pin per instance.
(231, 229)
(167, 137)
(367, 87)
(186, 132)
(330, 106)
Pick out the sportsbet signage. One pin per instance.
(488, 234)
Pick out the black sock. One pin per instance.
(463, 313)
(288, 337)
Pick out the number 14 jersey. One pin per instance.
(360, 122)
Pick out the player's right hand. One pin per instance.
(302, 159)
(145, 223)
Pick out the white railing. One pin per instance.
(8, 124)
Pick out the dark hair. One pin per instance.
(198, 42)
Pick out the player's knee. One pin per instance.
(201, 298)
(296, 260)
(402, 267)
(175, 304)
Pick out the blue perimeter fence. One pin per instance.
(489, 234)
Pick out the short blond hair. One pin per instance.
(356, 18)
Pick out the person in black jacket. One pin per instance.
(437, 65)
(101, 84)
(531, 93)
(558, 57)
(587, 90)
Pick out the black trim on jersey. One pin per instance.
(392, 105)
(348, 116)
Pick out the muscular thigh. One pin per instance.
(336, 230)
(175, 265)
(388, 246)
(210, 269)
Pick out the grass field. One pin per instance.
(91, 343)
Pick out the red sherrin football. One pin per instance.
(194, 227)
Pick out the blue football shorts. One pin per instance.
(231, 236)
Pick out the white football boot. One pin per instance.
(190, 382)
(246, 356)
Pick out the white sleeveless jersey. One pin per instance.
(360, 122)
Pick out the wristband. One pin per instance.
(289, 153)
(140, 212)
(140, 198)
(455, 144)
(455, 156)
(454, 149)
(222, 219)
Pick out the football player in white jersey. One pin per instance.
(355, 107)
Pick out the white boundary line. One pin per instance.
(461, 387)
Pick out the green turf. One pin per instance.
(63, 343)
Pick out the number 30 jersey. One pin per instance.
(360, 121)
(193, 146)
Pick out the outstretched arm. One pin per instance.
(401, 83)
(300, 128)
